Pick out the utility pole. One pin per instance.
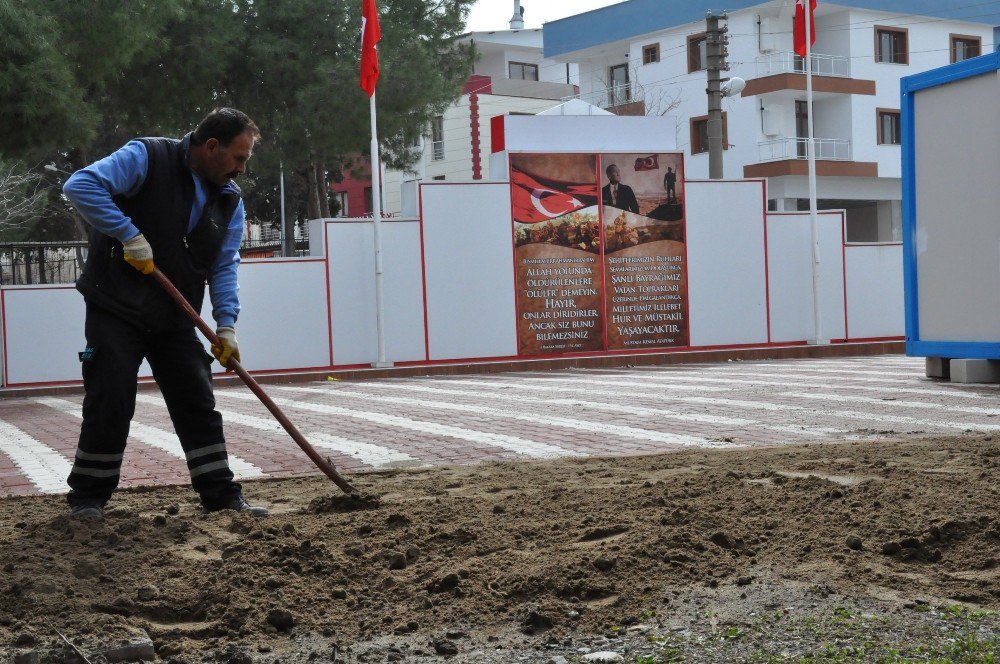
(716, 51)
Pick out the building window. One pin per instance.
(438, 177)
(369, 208)
(890, 45)
(650, 54)
(699, 134)
(618, 92)
(697, 58)
(888, 127)
(339, 200)
(437, 137)
(964, 47)
(523, 71)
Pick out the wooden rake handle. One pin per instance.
(254, 386)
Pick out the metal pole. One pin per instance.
(715, 55)
(811, 152)
(376, 171)
(281, 185)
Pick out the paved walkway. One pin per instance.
(407, 422)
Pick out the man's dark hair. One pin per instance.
(224, 124)
(608, 169)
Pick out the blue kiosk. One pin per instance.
(951, 218)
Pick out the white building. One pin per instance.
(510, 76)
(647, 56)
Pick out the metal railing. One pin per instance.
(787, 62)
(26, 263)
(790, 147)
(31, 263)
(614, 95)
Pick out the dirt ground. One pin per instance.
(860, 549)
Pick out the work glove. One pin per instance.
(230, 348)
(139, 254)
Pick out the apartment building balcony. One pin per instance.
(620, 99)
(516, 87)
(788, 155)
(785, 71)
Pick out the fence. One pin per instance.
(618, 94)
(27, 263)
(41, 262)
(787, 62)
(788, 147)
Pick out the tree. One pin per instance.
(65, 54)
(40, 102)
(87, 76)
(23, 197)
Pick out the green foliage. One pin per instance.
(79, 79)
(40, 102)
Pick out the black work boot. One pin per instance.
(239, 504)
(84, 509)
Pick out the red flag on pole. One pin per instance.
(799, 29)
(650, 163)
(371, 33)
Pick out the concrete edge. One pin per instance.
(799, 351)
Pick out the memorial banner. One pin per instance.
(644, 251)
(557, 253)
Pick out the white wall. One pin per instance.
(831, 38)
(491, 64)
(790, 269)
(875, 307)
(283, 323)
(350, 248)
(590, 133)
(43, 332)
(833, 118)
(727, 288)
(467, 271)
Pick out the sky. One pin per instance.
(495, 14)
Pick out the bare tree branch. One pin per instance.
(23, 196)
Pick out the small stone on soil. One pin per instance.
(281, 619)
(445, 647)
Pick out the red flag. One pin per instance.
(371, 33)
(799, 27)
(650, 163)
(538, 199)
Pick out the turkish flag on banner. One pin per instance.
(799, 27)
(650, 163)
(538, 199)
(371, 33)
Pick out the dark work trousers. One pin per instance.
(182, 369)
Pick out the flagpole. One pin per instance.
(811, 154)
(376, 171)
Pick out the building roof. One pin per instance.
(633, 18)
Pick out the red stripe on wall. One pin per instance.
(477, 153)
